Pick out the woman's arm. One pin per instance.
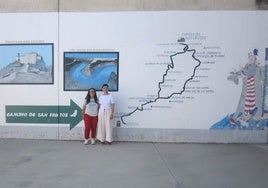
(112, 111)
(83, 110)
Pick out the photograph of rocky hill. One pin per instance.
(26, 64)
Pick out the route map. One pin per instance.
(177, 75)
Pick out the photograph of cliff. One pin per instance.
(26, 64)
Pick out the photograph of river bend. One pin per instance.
(83, 70)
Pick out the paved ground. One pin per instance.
(70, 164)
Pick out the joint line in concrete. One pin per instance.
(178, 184)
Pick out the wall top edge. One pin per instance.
(160, 10)
(127, 5)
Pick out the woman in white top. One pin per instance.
(90, 115)
(106, 112)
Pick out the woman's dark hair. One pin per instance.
(88, 96)
(105, 85)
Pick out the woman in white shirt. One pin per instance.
(90, 115)
(106, 113)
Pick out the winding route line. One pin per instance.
(185, 49)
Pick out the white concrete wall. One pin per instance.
(157, 135)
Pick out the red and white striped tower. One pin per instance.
(250, 95)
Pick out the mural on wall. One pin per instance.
(174, 72)
(26, 64)
(83, 70)
(177, 74)
(252, 109)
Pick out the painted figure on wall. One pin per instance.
(250, 112)
(265, 86)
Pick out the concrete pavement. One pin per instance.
(69, 164)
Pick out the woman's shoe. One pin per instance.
(92, 141)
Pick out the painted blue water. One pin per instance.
(99, 76)
(251, 124)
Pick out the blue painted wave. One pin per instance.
(249, 124)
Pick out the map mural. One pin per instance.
(166, 69)
(176, 75)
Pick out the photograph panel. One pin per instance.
(27, 63)
(84, 70)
